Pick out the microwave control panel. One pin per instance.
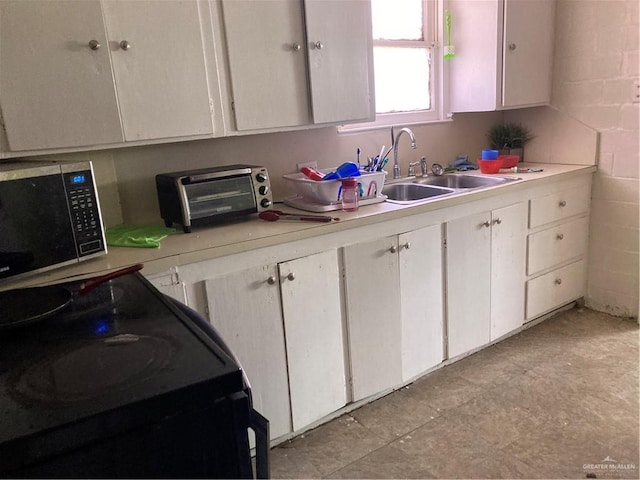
(85, 215)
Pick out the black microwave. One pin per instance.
(49, 216)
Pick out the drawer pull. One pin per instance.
(558, 281)
(563, 203)
(560, 236)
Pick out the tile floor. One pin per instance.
(559, 400)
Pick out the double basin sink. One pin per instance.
(421, 189)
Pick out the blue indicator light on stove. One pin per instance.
(102, 327)
(78, 179)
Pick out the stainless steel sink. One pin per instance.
(452, 180)
(405, 193)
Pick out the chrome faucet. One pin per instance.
(396, 165)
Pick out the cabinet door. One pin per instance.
(245, 308)
(161, 79)
(55, 91)
(169, 284)
(340, 59)
(421, 299)
(312, 310)
(527, 52)
(372, 282)
(267, 62)
(468, 254)
(508, 261)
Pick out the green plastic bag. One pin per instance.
(140, 236)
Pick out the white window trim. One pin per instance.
(439, 112)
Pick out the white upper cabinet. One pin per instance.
(55, 90)
(293, 64)
(503, 54)
(339, 42)
(84, 73)
(161, 78)
(265, 46)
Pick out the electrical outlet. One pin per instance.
(313, 165)
(636, 92)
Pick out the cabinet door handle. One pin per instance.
(271, 280)
(94, 44)
(393, 249)
(318, 45)
(296, 47)
(562, 203)
(407, 246)
(124, 45)
(486, 224)
(558, 281)
(512, 46)
(291, 277)
(498, 221)
(560, 236)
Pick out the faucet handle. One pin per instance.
(423, 166)
(412, 169)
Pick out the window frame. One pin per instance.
(432, 9)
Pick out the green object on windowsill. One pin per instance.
(138, 236)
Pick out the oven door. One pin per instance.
(35, 224)
(220, 196)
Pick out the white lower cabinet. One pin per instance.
(485, 260)
(348, 320)
(311, 303)
(393, 290)
(284, 323)
(421, 300)
(558, 242)
(556, 288)
(169, 283)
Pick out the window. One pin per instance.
(408, 65)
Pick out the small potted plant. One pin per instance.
(509, 138)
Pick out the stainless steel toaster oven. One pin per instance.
(210, 195)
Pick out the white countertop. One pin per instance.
(253, 233)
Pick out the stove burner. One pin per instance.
(92, 368)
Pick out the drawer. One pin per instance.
(555, 289)
(557, 245)
(557, 206)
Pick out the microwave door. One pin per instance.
(35, 226)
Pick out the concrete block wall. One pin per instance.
(596, 77)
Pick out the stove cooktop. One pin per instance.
(118, 348)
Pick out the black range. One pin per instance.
(123, 382)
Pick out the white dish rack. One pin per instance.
(326, 195)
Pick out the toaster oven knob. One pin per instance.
(261, 177)
(265, 203)
(263, 190)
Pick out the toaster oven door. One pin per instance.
(220, 196)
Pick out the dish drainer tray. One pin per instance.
(302, 204)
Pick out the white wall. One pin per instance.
(136, 167)
(595, 70)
